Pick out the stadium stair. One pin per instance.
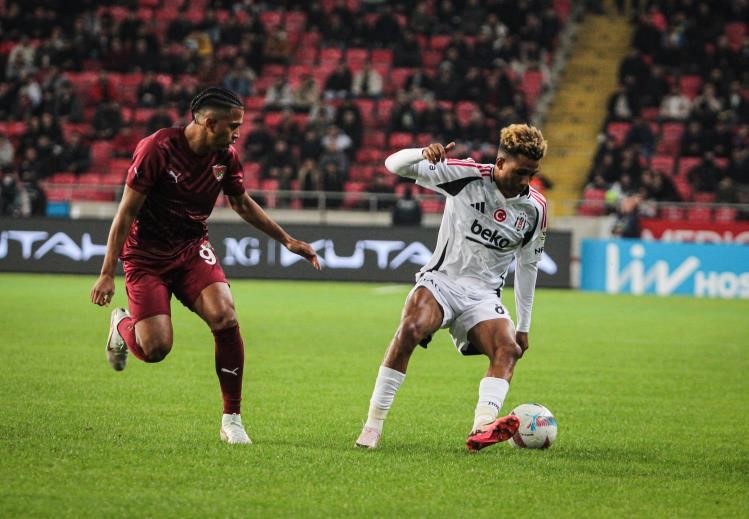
(579, 108)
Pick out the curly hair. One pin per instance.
(521, 139)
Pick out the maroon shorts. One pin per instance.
(150, 287)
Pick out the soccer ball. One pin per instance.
(538, 428)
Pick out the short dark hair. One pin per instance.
(215, 97)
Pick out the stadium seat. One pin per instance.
(101, 152)
(699, 214)
(725, 214)
(672, 213)
(374, 139)
(356, 58)
(63, 177)
(431, 58)
(690, 85)
(532, 85)
(670, 138)
(664, 164)
(618, 130)
(593, 203)
(400, 140)
(353, 197)
(432, 206)
(90, 179)
(439, 42)
(686, 164)
(271, 19)
(331, 56)
(384, 107)
(382, 56)
(736, 32)
(295, 21)
(398, 77)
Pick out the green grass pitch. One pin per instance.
(651, 395)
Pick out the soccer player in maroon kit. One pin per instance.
(160, 234)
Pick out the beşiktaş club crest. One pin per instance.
(219, 171)
(520, 221)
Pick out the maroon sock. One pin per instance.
(229, 366)
(126, 327)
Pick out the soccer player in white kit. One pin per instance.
(491, 217)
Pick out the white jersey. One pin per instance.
(481, 230)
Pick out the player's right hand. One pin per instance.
(435, 152)
(103, 290)
(305, 250)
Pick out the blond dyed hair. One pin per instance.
(521, 139)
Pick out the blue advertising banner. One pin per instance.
(640, 267)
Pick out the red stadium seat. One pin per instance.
(431, 58)
(101, 152)
(686, 164)
(382, 56)
(432, 206)
(670, 137)
(672, 213)
(400, 140)
(725, 214)
(356, 58)
(384, 107)
(398, 77)
(331, 56)
(271, 19)
(736, 32)
(90, 179)
(593, 203)
(295, 21)
(374, 139)
(664, 164)
(690, 86)
(618, 130)
(532, 85)
(63, 177)
(352, 198)
(439, 42)
(699, 214)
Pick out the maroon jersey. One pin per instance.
(181, 189)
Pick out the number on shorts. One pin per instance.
(207, 254)
(499, 309)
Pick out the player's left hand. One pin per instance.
(305, 250)
(522, 339)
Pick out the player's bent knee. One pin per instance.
(412, 333)
(156, 350)
(223, 321)
(507, 351)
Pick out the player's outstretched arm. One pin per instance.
(253, 214)
(132, 201)
(402, 162)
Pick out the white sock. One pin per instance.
(492, 393)
(387, 383)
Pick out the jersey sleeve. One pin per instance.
(146, 166)
(526, 269)
(233, 182)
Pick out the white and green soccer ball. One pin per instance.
(538, 428)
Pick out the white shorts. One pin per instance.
(462, 307)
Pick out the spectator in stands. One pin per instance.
(451, 129)
(150, 92)
(692, 142)
(675, 106)
(21, 59)
(76, 155)
(622, 104)
(655, 88)
(8, 194)
(477, 132)
(107, 120)
(381, 185)
(103, 89)
(421, 20)
(280, 165)
(310, 180)
(406, 211)
(407, 51)
(67, 104)
(144, 59)
(7, 153)
(662, 188)
(278, 96)
(706, 106)
(641, 137)
(332, 182)
(259, 140)
(179, 95)
(118, 58)
(403, 117)
(474, 85)
(386, 30)
(287, 128)
(367, 82)
(240, 78)
(726, 192)
(334, 138)
(418, 84)
(335, 31)
(277, 48)
(721, 138)
(159, 119)
(310, 147)
(331, 154)
(704, 176)
(430, 118)
(738, 166)
(348, 119)
(743, 214)
(306, 94)
(124, 143)
(338, 83)
(179, 28)
(737, 103)
(447, 86)
(7, 101)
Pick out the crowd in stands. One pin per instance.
(331, 86)
(677, 128)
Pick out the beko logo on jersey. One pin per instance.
(494, 239)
